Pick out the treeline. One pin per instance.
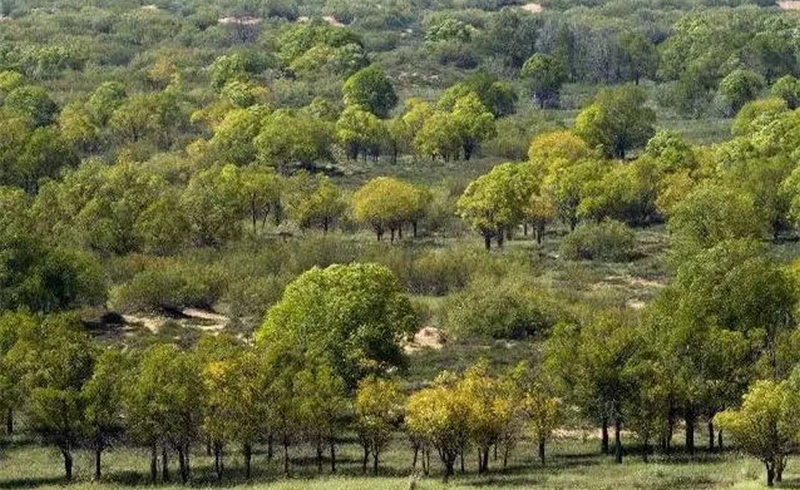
(315, 374)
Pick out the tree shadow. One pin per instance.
(30, 482)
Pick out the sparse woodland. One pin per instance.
(400, 244)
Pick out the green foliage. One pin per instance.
(508, 308)
(371, 90)
(617, 121)
(31, 103)
(386, 203)
(787, 88)
(738, 88)
(352, 315)
(544, 76)
(608, 240)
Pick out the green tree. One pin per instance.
(787, 88)
(33, 104)
(765, 425)
(494, 203)
(353, 315)
(212, 203)
(544, 75)
(738, 88)
(378, 410)
(474, 123)
(317, 201)
(56, 358)
(385, 203)
(293, 138)
(104, 395)
(360, 133)
(616, 121)
(499, 97)
(439, 136)
(370, 89)
(712, 213)
(638, 56)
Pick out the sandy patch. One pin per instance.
(789, 4)
(150, 8)
(426, 338)
(303, 19)
(242, 21)
(206, 321)
(635, 304)
(536, 8)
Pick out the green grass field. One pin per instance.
(572, 464)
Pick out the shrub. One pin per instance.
(507, 308)
(166, 286)
(609, 241)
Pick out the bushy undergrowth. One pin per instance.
(512, 307)
(610, 241)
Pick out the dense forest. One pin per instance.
(260, 240)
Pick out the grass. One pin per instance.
(573, 464)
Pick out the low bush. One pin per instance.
(508, 308)
(609, 241)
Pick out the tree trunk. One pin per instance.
(500, 239)
(218, 459)
(487, 242)
(365, 460)
(286, 457)
(646, 449)
(719, 440)
(770, 475)
(392, 239)
(333, 457)
(604, 437)
(164, 465)
(690, 431)
(711, 435)
(414, 227)
(67, 453)
(270, 451)
(400, 232)
(375, 463)
(153, 464)
(618, 441)
(247, 451)
(98, 455)
(319, 457)
(182, 465)
(416, 455)
(10, 421)
(542, 451)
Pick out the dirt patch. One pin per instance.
(635, 304)
(789, 4)
(636, 281)
(426, 338)
(150, 8)
(242, 21)
(583, 434)
(533, 8)
(303, 19)
(207, 321)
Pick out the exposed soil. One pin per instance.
(789, 4)
(426, 338)
(244, 21)
(533, 8)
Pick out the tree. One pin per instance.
(378, 409)
(439, 136)
(261, 190)
(544, 75)
(293, 138)
(712, 213)
(498, 97)
(787, 88)
(616, 121)
(33, 104)
(213, 205)
(165, 405)
(590, 363)
(542, 413)
(765, 425)
(317, 202)
(547, 148)
(370, 89)
(360, 132)
(540, 211)
(352, 315)
(494, 203)
(233, 136)
(385, 203)
(474, 123)
(638, 56)
(56, 358)
(103, 395)
(105, 99)
(738, 88)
